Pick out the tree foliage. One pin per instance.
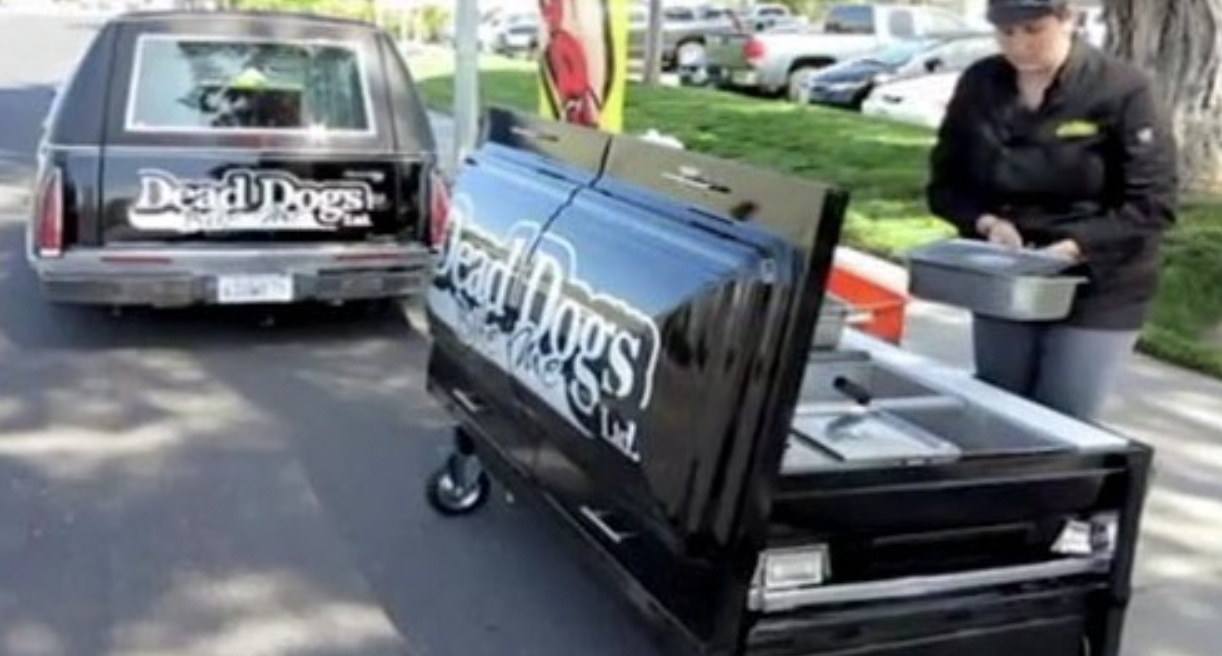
(361, 9)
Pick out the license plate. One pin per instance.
(743, 77)
(255, 288)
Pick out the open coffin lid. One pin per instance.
(666, 313)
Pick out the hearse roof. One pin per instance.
(253, 16)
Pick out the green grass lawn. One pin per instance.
(883, 165)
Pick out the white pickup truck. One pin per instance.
(782, 60)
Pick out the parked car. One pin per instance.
(492, 28)
(918, 101)
(229, 157)
(685, 32)
(848, 83)
(518, 38)
(784, 61)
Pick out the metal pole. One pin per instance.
(653, 44)
(466, 80)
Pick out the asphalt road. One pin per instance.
(202, 483)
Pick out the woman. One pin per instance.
(1056, 145)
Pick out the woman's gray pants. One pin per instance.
(1066, 368)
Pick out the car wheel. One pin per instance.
(689, 54)
(860, 99)
(799, 84)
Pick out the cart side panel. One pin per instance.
(951, 527)
(1049, 621)
(916, 522)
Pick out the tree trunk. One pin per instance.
(1179, 42)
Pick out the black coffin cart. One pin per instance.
(625, 331)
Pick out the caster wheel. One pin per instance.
(448, 499)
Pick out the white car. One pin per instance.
(920, 101)
(1092, 26)
(494, 30)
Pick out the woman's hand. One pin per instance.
(1066, 249)
(999, 231)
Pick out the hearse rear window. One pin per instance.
(210, 84)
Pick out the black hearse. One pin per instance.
(234, 157)
(637, 337)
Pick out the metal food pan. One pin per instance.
(834, 315)
(991, 281)
(983, 257)
(872, 436)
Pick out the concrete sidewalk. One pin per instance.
(1178, 607)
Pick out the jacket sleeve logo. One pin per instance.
(1078, 128)
(249, 200)
(589, 356)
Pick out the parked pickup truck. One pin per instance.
(685, 31)
(783, 61)
(766, 15)
(198, 158)
(636, 339)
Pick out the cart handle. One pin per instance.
(771, 601)
(596, 518)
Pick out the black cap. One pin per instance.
(1008, 12)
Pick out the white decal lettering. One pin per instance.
(590, 356)
(249, 200)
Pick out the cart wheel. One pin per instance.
(448, 499)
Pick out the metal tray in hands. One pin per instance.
(994, 281)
